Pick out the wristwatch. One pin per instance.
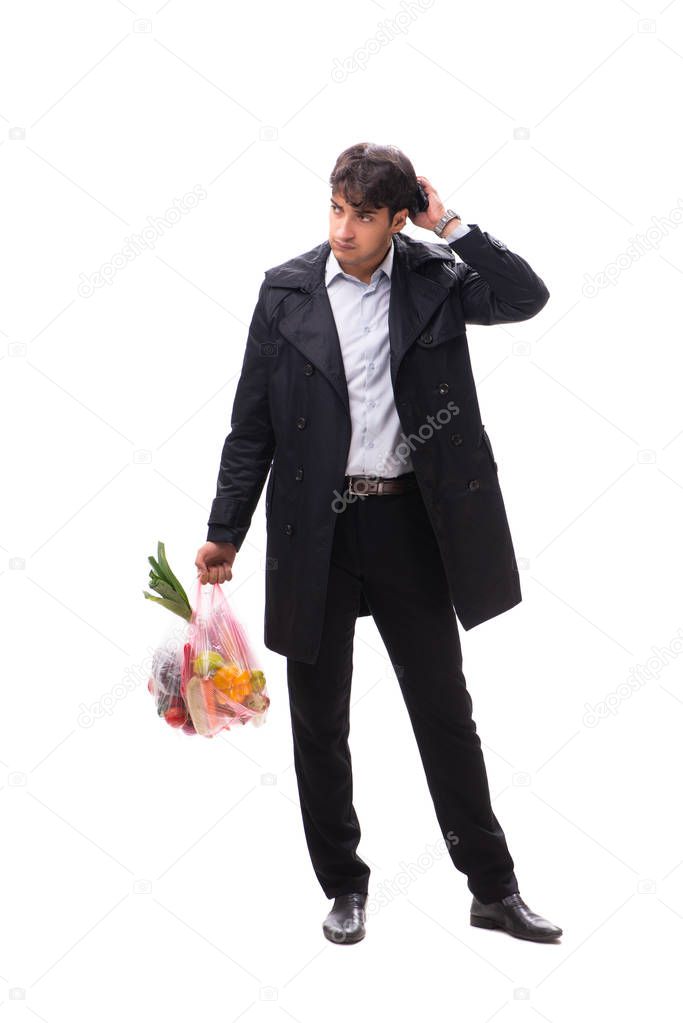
(448, 215)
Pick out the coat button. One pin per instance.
(289, 528)
(473, 484)
(456, 438)
(427, 339)
(301, 422)
(443, 388)
(308, 369)
(299, 473)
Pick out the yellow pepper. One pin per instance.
(239, 691)
(233, 682)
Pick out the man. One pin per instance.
(357, 393)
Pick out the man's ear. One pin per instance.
(401, 222)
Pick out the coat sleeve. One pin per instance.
(495, 284)
(248, 449)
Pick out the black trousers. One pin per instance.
(385, 545)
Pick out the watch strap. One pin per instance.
(440, 226)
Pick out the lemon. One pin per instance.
(207, 662)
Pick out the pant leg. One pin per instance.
(407, 592)
(319, 699)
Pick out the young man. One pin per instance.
(357, 394)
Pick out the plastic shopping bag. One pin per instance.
(204, 676)
(220, 683)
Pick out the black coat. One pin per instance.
(291, 409)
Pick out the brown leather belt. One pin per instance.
(363, 485)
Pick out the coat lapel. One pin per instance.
(413, 302)
(312, 330)
(311, 326)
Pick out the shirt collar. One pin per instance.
(332, 267)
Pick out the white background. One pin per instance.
(163, 876)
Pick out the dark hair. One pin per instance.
(369, 175)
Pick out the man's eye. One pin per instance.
(362, 216)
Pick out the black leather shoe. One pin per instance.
(345, 923)
(512, 914)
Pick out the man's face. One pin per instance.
(361, 236)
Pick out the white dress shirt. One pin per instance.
(361, 314)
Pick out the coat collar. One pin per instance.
(414, 300)
(307, 271)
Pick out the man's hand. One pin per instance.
(214, 562)
(430, 217)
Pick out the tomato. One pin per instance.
(176, 716)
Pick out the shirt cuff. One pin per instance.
(456, 232)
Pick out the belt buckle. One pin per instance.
(366, 486)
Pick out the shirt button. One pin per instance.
(371, 444)
(372, 365)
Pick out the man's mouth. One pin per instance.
(341, 245)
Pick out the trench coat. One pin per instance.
(290, 423)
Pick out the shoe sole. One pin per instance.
(492, 925)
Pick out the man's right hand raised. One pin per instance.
(214, 562)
